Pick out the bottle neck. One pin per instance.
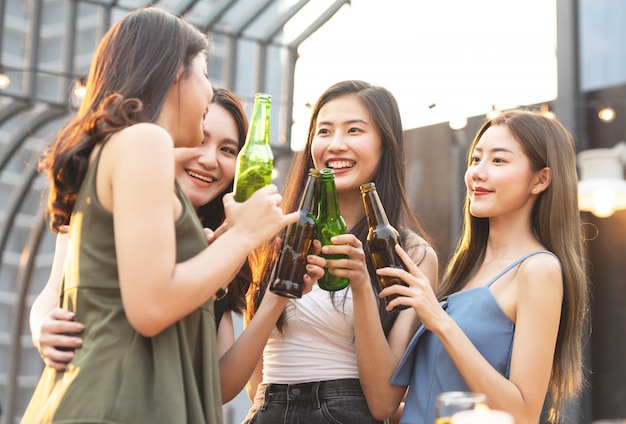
(310, 197)
(329, 205)
(259, 131)
(374, 209)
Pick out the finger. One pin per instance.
(347, 239)
(316, 248)
(61, 314)
(209, 235)
(53, 327)
(408, 262)
(314, 272)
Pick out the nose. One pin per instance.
(476, 171)
(208, 158)
(337, 143)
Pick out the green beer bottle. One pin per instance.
(329, 224)
(381, 239)
(297, 242)
(255, 161)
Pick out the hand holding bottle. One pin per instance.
(418, 293)
(259, 218)
(345, 258)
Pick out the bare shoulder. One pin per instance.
(541, 271)
(141, 135)
(145, 139)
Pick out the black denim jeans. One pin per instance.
(321, 402)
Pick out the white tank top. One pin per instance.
(317, 343)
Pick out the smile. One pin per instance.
(339, 164)
(200, 177)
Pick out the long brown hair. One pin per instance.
(130, 76)
(390, 180)
(557, 226)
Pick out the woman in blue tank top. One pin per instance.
(507, 318)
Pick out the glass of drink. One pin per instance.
(482, 416)
(448, 403)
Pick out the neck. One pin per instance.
(510, 238)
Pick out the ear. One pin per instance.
(543, 179)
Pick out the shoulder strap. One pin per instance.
(517, 262)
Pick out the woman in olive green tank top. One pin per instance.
(139, 273)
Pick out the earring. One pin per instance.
(534, 190)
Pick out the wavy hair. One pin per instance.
(131, 73)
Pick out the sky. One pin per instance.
(461, 55)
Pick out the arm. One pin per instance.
(157, 291)
(50, 324)
(377, 356)
(539, 293)
(238, 364)
(243, 363)
(533, 302)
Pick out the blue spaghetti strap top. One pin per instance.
(426, 367)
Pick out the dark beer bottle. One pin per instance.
(297, 243)
(381, 239)
(255, 161)
(329, 224)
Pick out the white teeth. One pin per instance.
(200, 177)
(340, 164)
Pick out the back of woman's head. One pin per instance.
(132, 71)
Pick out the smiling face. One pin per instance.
(499, 179)
(205, 171)
(347, 141)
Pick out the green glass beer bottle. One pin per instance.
(381, 239)
(255, 161)
(329, 224)
(297, 242)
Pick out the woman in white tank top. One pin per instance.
(315, 368)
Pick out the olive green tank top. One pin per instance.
(119, 376)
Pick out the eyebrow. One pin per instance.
(350, 121)
(494, 150)
(227, 140)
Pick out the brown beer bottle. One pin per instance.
(330, 223)
(381, 239)
(297, 243)
(255, 161)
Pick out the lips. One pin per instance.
(340, 164)
(478, 191)
(204, 178)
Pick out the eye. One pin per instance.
(355, 130)
(475, 160)
(323, 131)
(230, 150)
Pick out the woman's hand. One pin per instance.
(211, 235)
(57, 338)
(259, 218)
(419, 294)
(353, 267)
(314, 271)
